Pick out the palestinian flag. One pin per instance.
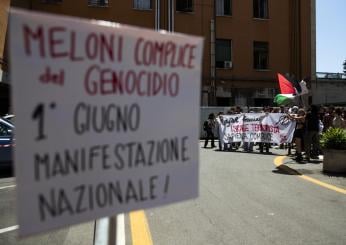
(286, 86)
(284, 99)
(289, 90)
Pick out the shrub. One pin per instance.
(334, 138)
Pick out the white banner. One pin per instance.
(256, 127)
(106, 118)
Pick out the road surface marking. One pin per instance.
(8, 229)
(101, 232)
(8, 186)
(332, 187)
(278, 161)
(120, 230)
(140, 231)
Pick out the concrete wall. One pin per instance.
(329, 92)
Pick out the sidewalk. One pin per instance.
(313, 169)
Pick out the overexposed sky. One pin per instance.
(330, 35)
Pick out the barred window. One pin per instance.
(260, 9)
(101, 3)
(184, 5)
(261, 55)
(223, 7)
(142, 4)
(223, 53)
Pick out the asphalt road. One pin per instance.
(244, 199)
(81, 234)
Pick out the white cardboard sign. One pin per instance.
(106, 118)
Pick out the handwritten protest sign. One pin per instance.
(256, 127)
(106, 118)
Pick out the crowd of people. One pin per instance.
(310, 124)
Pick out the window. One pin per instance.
(142, 4)
(223, 7)
(260, 9)
(51, 1)
(223, 53)
(184, 5)
(261, 55)
(99, 3)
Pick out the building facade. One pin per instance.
(247, 42)
(4, 8)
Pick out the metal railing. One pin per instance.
(331, 76)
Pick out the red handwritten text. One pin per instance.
(162, 54)
(129, 82)
(58, 42)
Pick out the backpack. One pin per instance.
(205, 125)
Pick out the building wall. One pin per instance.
(116, 11)
(4, 88)
(288, 32)
(329, 92)
(4, 7)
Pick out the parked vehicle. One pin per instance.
(6, 142)
(9, 117)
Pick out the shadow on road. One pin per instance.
(309, 170)
(283, 169)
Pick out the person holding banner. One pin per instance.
(219, 120)
(248, 146)
(263, 145)
(209, 126)
(299, 132)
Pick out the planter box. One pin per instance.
(334, 161)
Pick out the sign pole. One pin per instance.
(112, 231)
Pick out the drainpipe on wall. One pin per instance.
(212, 63)
(157, 15)
(212, 99)
(169, 15)
(172, 15)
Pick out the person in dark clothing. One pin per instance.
(312, 126)
(328, 118)
(209, 128)
(263, 145)
(299, 132)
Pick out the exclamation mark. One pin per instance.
(166, 185)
